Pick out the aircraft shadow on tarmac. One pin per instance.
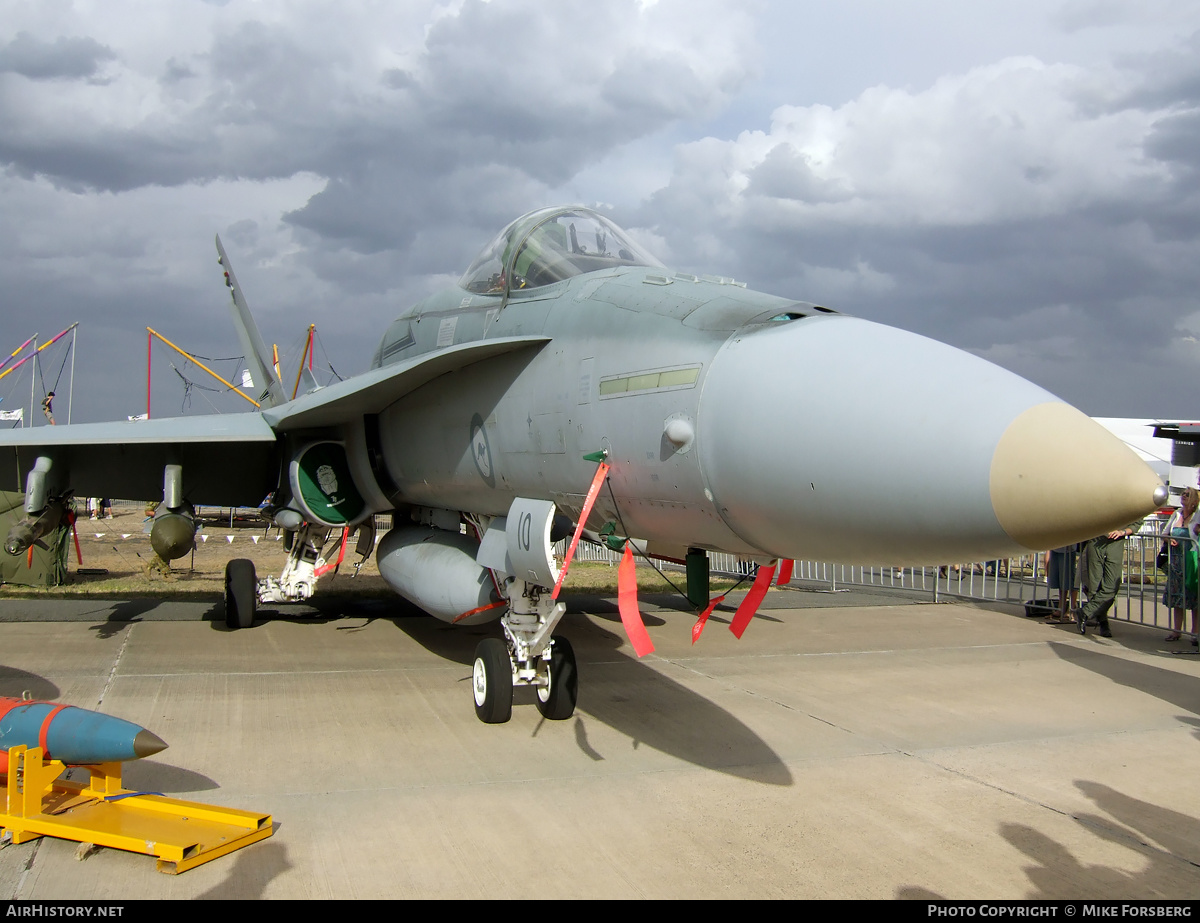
(602, 607)
(1166, 685)
(320, 610)
(616, 689)
(15, 683)
(629, 696)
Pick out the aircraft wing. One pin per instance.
(228, 459)
(376, 389)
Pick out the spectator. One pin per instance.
(1181, 590)
(1060, 575)
(1105, 557)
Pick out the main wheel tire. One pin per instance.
(557, 701)
(241, 593)
(492, 682)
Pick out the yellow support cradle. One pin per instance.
(181, 834)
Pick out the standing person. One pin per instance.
(1105, 555)
(1060, 575)
(1181, 591)
(48, 406)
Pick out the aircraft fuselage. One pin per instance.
(805, 433)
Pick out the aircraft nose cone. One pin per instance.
(1056, 475)
(838, 439)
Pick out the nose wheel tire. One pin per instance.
(241, 593)
(492, 682)
(556, 701)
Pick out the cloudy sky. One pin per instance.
(1015, 177)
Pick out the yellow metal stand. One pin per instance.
(182, 834)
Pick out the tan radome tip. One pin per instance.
(147, 743)
(1059, 477)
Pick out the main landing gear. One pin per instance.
(529, 655)
(244, 591)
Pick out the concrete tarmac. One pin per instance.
(846, 751)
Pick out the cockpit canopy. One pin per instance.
(550, 245)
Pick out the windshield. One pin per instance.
(551, 245)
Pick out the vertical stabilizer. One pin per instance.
(267, 387)
(308, 382)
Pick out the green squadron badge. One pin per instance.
(322, 485)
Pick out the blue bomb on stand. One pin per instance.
(75, 736)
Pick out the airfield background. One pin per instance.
(49, 564)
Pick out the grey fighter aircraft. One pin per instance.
(728, 420)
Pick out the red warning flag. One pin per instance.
(327, 567)
(588, 502)
(477, 610)
(75, 534)
(745, 612)
(786, 566)
(699, 626)
(627, 603)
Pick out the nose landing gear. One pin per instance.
(529, 656)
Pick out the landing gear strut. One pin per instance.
(529, 656)
(299, 578)
(243, 591)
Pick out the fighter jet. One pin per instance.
(571, 381)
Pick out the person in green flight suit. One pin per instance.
(1105, 556)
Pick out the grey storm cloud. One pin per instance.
(417, 135)
(273, 104)
(516, 93)
(1175, 138)
(64, 58)
(469, 136)
(1015, 205)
